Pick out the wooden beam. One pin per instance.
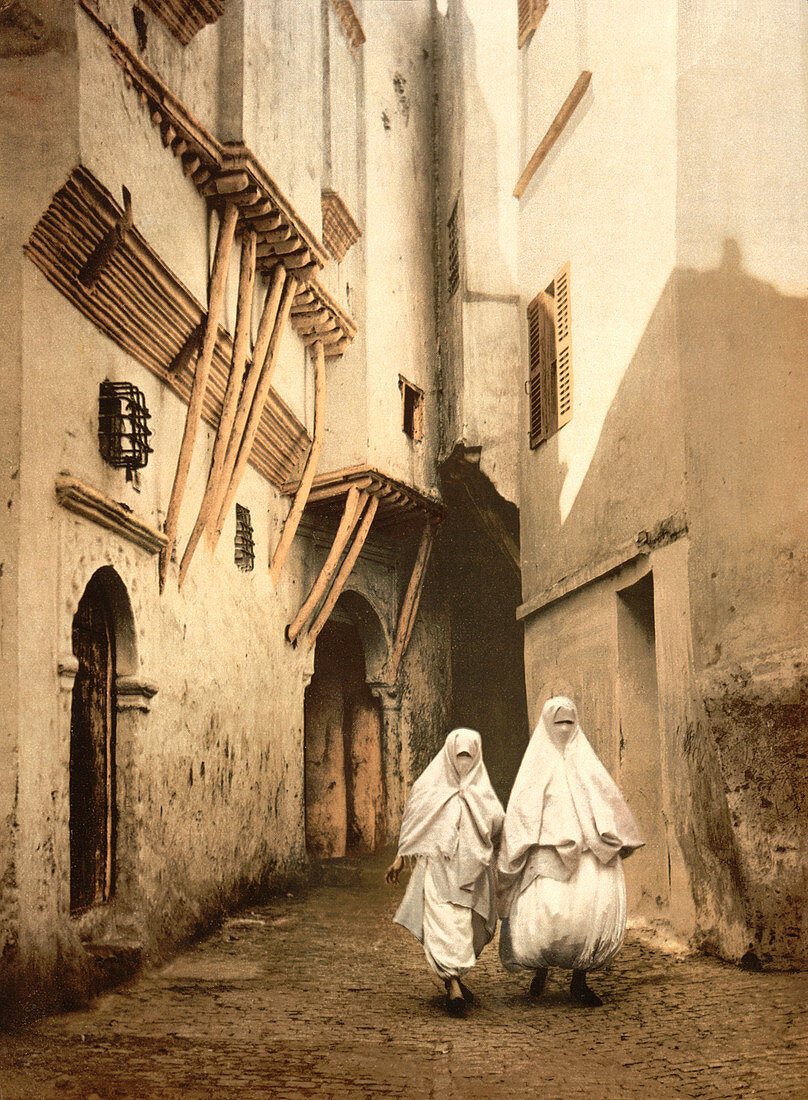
(409, 605)
(354, 502)
(256, 408)
(302, 494)
(224, 242)
(266, 327)
(344, 572)
(238, 362)
(552, 135)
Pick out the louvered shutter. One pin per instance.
(530, 13)
(541, 340)
(563, 348)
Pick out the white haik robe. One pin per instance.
(451, 822)
(562, 894)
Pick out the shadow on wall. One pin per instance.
(710, 420)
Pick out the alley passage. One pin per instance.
(320, 995)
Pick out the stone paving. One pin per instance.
(320, 995)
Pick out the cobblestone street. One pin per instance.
(320, 995)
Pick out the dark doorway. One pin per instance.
(647, 874)
(477, 559)
(345, 794)
(92, 751)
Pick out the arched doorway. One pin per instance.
(102, 641)
(345, 791)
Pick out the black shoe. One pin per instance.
(468, 996)
(585, 996)
(537, 985)
(456, 1006)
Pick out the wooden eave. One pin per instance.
(316, 315)
(340, 231)
(221, 171)
(140, 304)
(400, 506)
(184, 18)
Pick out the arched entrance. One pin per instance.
(345, 791)
(102, 638)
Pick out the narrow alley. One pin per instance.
(321, 995)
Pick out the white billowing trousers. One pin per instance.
(577, 925)
(448, 934)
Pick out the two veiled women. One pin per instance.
(562, 894)
(452, 821)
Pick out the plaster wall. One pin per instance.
(39, 92)
(741, 293)
(477, 156)
(400, 335)
(604, 201)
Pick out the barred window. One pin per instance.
(412, 408)
(245, 548)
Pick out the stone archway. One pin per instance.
(346, 801)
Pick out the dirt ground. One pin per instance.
(320, 995)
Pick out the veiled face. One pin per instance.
(563, 724)
(463, 762)
(464, 748)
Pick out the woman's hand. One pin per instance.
(393, 871)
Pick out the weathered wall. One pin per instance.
(742, 246)
(688, 322)
(477, 152)
(400, 335)
(39, 91)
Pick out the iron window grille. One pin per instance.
(123, 433)
(245, 547)
(454, 253)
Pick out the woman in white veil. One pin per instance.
(452, 821)
(562, 893)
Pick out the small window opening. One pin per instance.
(412, 405)
(245, 547)
(454, 253)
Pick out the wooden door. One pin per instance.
(92, 753)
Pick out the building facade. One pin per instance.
(373, 368)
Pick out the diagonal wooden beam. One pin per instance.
(302, 494)
(409, 605)
(266, 326)
(221, 259)
(241, 347)
(554, 132)
(344, 572)
(257, 407)
(354, 502)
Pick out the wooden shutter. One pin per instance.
(530, 13)
(541, 343)
(563, 348)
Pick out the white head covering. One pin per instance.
(563, 798)
(450, 812)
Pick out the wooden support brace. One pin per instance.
(552, 135)
(266, 326)
(224, 242)
(241, 347)
(245, 442)
(344, 572)
(409, 605)
(354, 502)
(302, 494)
